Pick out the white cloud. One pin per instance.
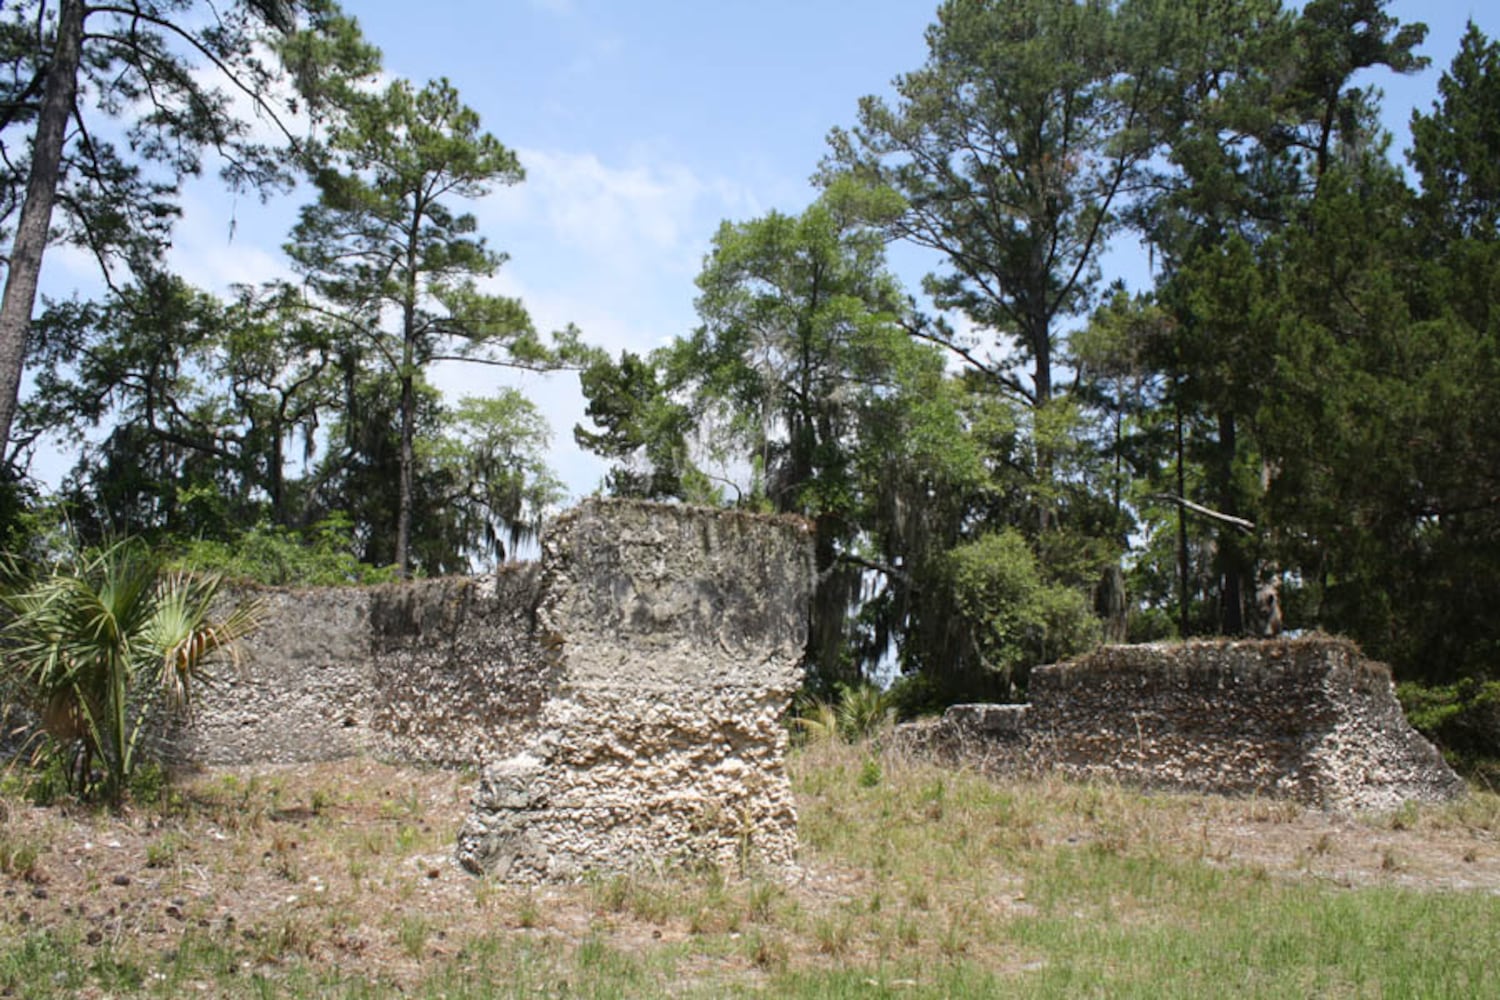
(619, 217)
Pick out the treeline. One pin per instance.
(1296, 418)
(297, 411)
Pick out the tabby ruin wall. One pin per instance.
(621, 698)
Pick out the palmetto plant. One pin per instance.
(861, 711)
(108, 644)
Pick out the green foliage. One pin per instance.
(205, 400)
(863, 711)
(320, 557)
(1011, 148)
(1463, 718)
(491, 460)
(116, 106)
(915, 694)
(1300, 396)
(802, 375)
(1015, 620)
(400, 268)
(858, 712)
(642, 429)
(107, 644)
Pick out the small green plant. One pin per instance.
(908, 930)
(761, 901)
(162, 851)
(46, 780)
(612, 894)
(1405, 817)
(864, 710)
(858, 712)
(412, 934)
(528, 913)
(834, 934)
(816, 721)
(19, 857)
(277, 556)
(148, 785)
(869, 773)
(766, 951)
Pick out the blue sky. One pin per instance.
(642, 126)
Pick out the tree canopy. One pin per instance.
(1287, 421)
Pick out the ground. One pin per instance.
(339, 879)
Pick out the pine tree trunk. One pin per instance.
(36, 212)
(1231, 554)
(408, 460)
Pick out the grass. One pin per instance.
(915, 882)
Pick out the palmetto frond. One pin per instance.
(188, 639)
(105, 638)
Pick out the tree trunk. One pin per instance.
(1041, 377)
(1182, 546)
(408, 394)
(36, 212)
(408, 460)
(1232, 562)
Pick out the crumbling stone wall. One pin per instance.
(443, 672)
(678, 636)
(1307, 719)
(624, 695)
(459, 677)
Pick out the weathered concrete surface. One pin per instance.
(1307, 719)
(440, 672)
(678, 636)
(459, 676)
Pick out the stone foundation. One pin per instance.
(1307, 719)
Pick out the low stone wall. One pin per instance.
(1307, 719)
(623, 696)
(444, 672)
(679, 638)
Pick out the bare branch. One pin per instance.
(1248, 527)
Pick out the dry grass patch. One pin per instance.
(337, 880)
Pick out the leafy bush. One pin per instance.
(917, 694)
(1015, 618)
(859, 712)
(1463, 719)
(279, 557)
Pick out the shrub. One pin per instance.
(1463, 719)
(106, 644)
(1016, 619)
(275, 556)
(859, 712)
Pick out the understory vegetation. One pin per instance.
(337, 881)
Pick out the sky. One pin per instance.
(641, 126)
